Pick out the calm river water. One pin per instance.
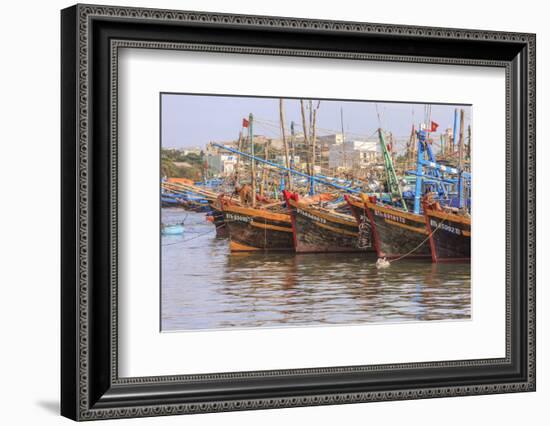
(204, 286)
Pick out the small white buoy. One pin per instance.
(382, 263)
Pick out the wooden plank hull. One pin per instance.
(217, 220)
(450, 236)
(254, 229)
(397, 233)
(322, 231)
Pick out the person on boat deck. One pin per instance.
(430, 202)
(245, 194)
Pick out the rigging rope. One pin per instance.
(276, 125)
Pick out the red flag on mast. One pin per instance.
(434, 126)
(245, 122)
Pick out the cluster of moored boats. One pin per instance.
(431, 222)
(360, 224)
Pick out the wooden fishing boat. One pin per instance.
(397, 233)
(449, 233)
(191, 197)
(215, 215)
(321, 230)
(358, 210)
(259, 228)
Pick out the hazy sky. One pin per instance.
(195, 120)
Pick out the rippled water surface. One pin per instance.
(204, 286)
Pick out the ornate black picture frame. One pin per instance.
(91, 37)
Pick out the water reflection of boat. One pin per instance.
(257, 228)
(319, 229)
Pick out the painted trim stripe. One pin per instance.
(272, 227)
(410, 216)
(449, 217)
(281, 217)
(409, 227)
(329, 216)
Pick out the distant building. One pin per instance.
(353, 154)
(221, 164)
(276, 144)
(280, 159)
(324, 144)
(260, 139)
(333, 139)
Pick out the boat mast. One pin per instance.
(304, 126)
(307, 142)
(461, 161)
(421, 134)
(252, 165)
(314, 135)
(411, 147)
(313, 124)
(285, 143)
(264, 169)
(454, 130)
(292, 145)
(236, 175)
(391, 177)
(343, 138)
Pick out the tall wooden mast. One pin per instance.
(411, 148)
(252, 162)
(461, 160)
(237, 165)
(306, 142)
(461, 142)
(314, 136)
(285, 143)
(343, 139)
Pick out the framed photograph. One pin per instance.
(263, 212)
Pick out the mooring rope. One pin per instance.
(419, 245)
(188, 239)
